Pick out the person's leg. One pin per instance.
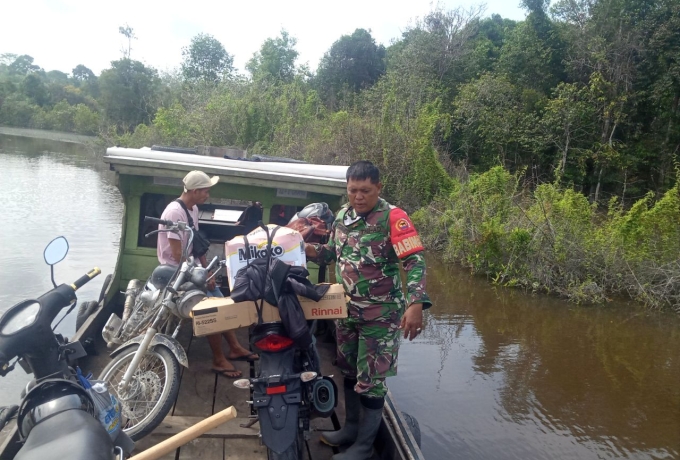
(220, 362)
(378, 346)
(236, 350)
(347, 346)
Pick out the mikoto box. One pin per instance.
(218, 314)
(287, 246)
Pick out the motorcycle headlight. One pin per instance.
(187, 302)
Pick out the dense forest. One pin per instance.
(542, 152)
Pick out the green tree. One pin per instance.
(86, 80)
(82, 75)
(8, 58)
(129, 93)
(85, 120)
(484, 47)
(22, 65)
(35, 88)
(57, 77)
(354, 62)
(206, 60)
(276, 59)
(569, 124)
(16, 110)
(494, 124)
(533, 53)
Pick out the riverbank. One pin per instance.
(51, 135)
(553, 240)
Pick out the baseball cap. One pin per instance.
(198, 179)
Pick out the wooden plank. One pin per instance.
(226, 394)
(244, 449)
(9, 440)
(150, 441)
(319, 450)
(206, 449)
(232, 429)
(197, 388)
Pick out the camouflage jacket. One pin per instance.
(367, 251)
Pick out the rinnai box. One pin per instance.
(218, 314)
(288, 246)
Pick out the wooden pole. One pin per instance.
(187, 435)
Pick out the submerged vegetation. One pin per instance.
(542, 153)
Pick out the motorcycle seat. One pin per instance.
(73, 434)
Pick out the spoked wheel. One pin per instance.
(151, 393)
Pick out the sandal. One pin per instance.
(250, 358)
(228, 373)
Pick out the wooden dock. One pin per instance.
(203, 393)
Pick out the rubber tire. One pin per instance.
(296, 451)
(168, 395)
(85, 309)
(105, 286)
(413, 424)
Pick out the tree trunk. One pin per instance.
(599, 182)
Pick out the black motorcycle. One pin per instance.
(56, 418)
(288, 389)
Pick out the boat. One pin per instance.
(148, 180)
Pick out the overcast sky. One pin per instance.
(61, 34)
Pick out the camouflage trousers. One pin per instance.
(368, 345)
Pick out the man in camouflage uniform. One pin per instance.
(369, 239)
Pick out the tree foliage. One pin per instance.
(276, 59)
(129, 93)
(206, 60)
(353, 63)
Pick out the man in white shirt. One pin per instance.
(197, 191)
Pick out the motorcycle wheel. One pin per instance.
(296, 451)
(151, 393)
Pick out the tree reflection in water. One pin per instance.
(565, 380)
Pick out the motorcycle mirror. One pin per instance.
(56, 251)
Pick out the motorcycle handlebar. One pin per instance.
(83, 280)
(155, 220)
(213, 263)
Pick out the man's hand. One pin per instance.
(211, 283)
(310, 251)
(412, 321)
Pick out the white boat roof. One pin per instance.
(328, 179)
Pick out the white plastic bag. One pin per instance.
(107, 407)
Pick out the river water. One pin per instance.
(496, 374)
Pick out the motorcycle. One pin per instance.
(57, 416)
(144, 373)
(288, 389)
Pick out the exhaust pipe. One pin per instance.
(133, 288)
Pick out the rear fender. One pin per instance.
(278, 416)
(278, 413)
(158, 340)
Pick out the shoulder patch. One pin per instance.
(403, 234)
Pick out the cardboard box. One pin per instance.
(218, 314)
(288, 246)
